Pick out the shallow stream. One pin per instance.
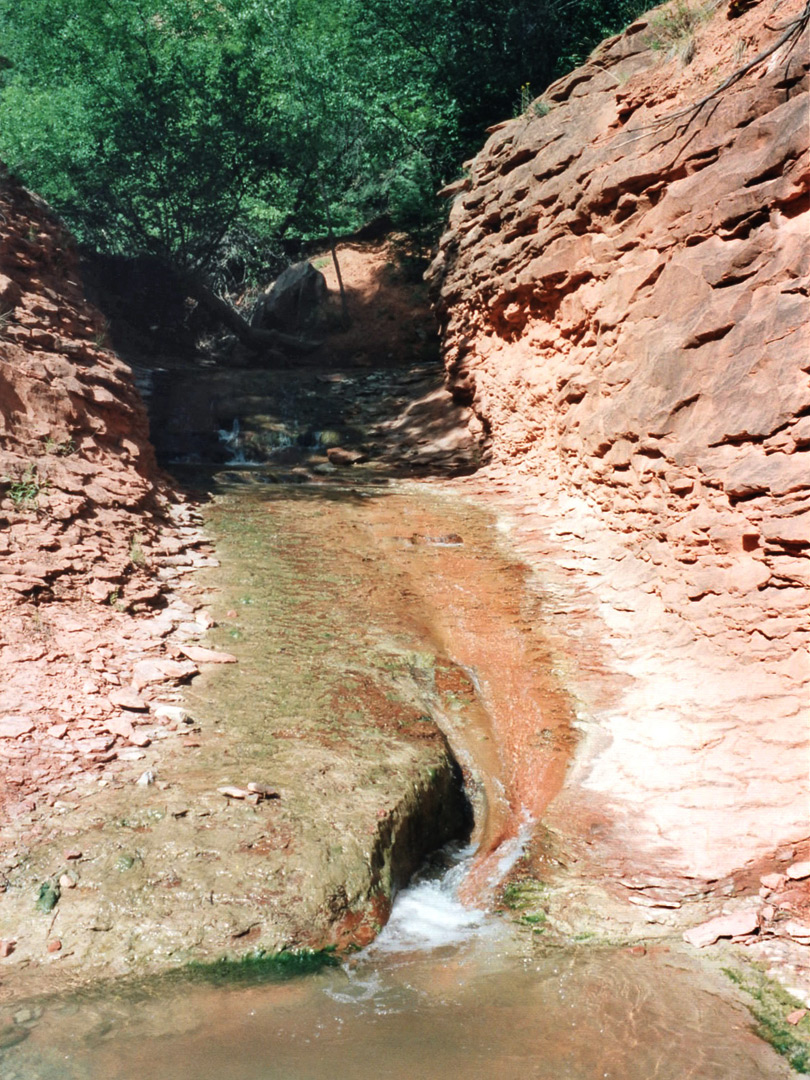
(449, 988)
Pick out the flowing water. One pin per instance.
(449, 988)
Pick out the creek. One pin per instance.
(381, 572)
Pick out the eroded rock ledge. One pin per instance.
(624, 302)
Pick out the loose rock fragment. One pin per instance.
(12, 727)
(119, 725)
(7, 947)
(772, 881)
(207, 656)
(798, 871)
(736, 925)
(146, 778)
(799, 932)
(126, 698)
(232, 792)
(173, 713)
(265, 790)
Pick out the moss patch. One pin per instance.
(260, 966)
(526, 898)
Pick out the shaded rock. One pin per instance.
(292, 303)
(338, 456)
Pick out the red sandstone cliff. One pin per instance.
(624, 302)
(75, 458)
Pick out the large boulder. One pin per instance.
(293, 301)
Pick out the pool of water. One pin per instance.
(446, 991)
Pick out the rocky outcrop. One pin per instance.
(623, 290)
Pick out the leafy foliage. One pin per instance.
(194, 129)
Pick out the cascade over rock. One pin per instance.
(623, 291)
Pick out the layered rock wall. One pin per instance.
(78, 471)
(623, 289)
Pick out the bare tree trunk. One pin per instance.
(344, 306)
(251, 336)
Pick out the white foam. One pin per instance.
(428, 914)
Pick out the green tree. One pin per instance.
(142, 120)
(184, 128)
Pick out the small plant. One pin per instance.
(100, 338)
(114, 600)
(61, 449)
(25, 490)
(672, 30)
(137, 555)
(5, 318)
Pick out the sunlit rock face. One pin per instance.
(623, 291)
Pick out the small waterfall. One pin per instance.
(232, 440)
(429, 912)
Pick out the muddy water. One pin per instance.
(477, 1010)
(449, 988)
